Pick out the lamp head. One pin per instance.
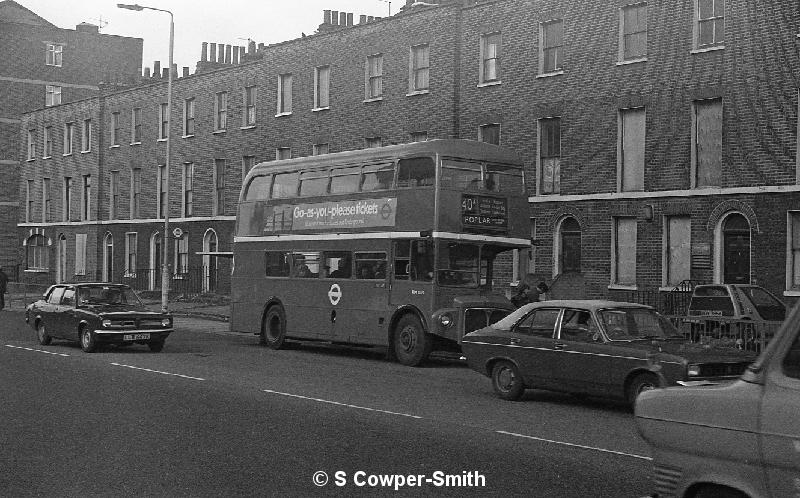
(126, 6)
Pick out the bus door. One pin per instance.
(306, 297)
(361, 311)
(412, 278)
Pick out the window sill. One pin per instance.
(136, 143)
(47, 157)
(115, 146)
(318, 109)
(129, 275)
(188, 136)
(489, 83)
(632, 61)
(67, 154)
(707, 49)
(248, 127)
(417, 92)
(281, 114)
(792, 292)
(31, 159)
(36, 270)
(219, 132)
(548, 75)
(161, 140)
(85, 151)
(622, 287)
(373, 99)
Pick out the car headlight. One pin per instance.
(165, 322)
(106, 323)
(694, 370)
(445, 320)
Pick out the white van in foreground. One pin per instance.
(733, 440)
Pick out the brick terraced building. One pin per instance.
(660, 139)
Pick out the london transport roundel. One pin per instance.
(335, 294)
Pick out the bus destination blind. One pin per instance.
(484, 212)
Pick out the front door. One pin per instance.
(736, 248)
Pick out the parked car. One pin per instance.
(737, 440)
(593, 347)
(745, 315)
(94, 314)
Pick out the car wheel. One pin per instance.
(156, 346)
(273, 328)
(42, 335)
(506, 381)
(714, 491)
(88, 343)
(640, 384)
(411, 344)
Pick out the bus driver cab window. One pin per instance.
(416, 172)
(413, 260)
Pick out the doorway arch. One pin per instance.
(733, 251)
(210, 244)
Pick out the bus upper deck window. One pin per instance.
(285, 185)
(504, 178)
(258, 188)
(377, 177)
(345, 180)
(416, 172)
(314, 183)
(460, 174)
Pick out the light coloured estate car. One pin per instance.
(737, 440)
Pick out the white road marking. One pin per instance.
(341, 404)
(36, 350)
(157, 371)
(564, 443)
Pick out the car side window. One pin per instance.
(791, 362)
(55, 295)
(540, 323)
(578, 325)
(69, 298)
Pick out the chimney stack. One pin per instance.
(342, 18)
(334, 17)
(221, 54)
(185, 71)
(203, 57)
(147, 73)
(212, 52)
(156, 69)
(165, 73)
(326, 16)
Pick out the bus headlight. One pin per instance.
(165, 322)
(106, 323)
(445, 320)
(694, 370)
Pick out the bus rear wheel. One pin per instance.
(273, 328)
(411, 344)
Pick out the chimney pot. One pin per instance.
(335, 17)
(362, 19)
(156, 68)
(212, 53)
(342, 18)
(165, 73)
(185, 71)
(228, 58)
(147, 72)
(326, 16)
(203, 52)
(370, 18)
(251, 47)
(221, 53)
(349, 18)
(235, 55)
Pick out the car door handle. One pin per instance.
(559, 345)
(513, 340)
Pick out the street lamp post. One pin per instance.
(165, 243)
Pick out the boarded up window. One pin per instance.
(625, 251)
(679, 251)
(708, 142)
(80, 254)
(795, 230)
(632, 149)
(550, 155)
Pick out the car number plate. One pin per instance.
(135, 337)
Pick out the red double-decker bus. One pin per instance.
(393, 246)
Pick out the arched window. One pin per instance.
(570, 253)
(36, 253)
(736, 249)
(210, 245)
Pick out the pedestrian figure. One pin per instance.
(3, 284)
(527, 292)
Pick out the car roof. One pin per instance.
(587, 303)
(89, 284)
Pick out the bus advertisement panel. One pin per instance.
(394, 246)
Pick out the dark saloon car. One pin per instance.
(97, 313)
(598, 348)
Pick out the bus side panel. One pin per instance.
(247, 291)
(362, 314)
(306, 302)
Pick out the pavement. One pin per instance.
(216, 308)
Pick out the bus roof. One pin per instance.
(446, 147)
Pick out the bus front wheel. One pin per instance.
(411, 344)
(273, 328)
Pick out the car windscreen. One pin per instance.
(512, 318)
(626, 324)
(106, 295)
(768, 307)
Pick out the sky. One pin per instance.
(229, 22)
